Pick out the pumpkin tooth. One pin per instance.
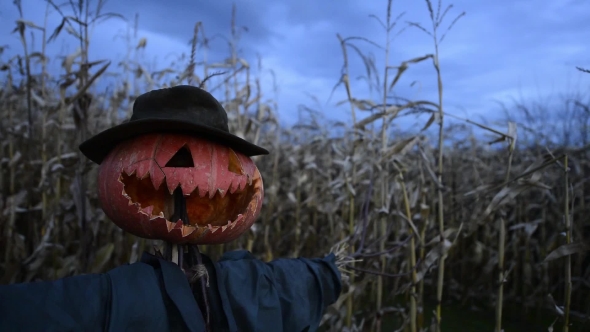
(140, 168)
(171, 187)
(147, 210)
(213, 229)
(186, 231)
(221, 192)
(173, 225)
(201, 191)
(235, 186)
(223, 228)
(130, 170)
(145, 172)
(204, 192)
(156, 176)
(232, 224)
(238, 219)
(169, 225)
(189, 188)
(159, 215)
(243, 184)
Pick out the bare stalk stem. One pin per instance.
(441, 204)
(502, 243)
(412, 258)
(568, 258)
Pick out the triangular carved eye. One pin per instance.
(182, 158)
(235, 166)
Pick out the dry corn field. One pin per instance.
(430, 229)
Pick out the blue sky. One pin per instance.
(500, 50)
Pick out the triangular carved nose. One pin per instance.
(182, 158)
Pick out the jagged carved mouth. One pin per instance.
(211, 206)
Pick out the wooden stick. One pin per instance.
(204, 283)
(175, 258)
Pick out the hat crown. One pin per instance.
(183, 103)
(180, 109)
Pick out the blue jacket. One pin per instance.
(245, 294)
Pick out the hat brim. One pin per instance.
(98, 147)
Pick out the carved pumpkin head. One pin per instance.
(223, 189)
(177, 143)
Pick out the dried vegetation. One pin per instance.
(417, 224)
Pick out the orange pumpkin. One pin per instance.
(223, 189)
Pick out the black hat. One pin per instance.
(182, 109)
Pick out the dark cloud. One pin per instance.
(177, 19)
(498, 50)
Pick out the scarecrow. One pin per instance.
(174, 172)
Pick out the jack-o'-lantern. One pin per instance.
(174, 172)
(138, 180)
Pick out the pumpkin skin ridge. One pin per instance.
(255, 199)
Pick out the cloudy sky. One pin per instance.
(499, 50)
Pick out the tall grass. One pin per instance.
(426, 225)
